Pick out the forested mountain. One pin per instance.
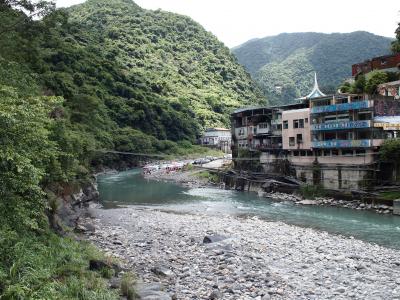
(283, 65)
(120, 67)
(103, 75)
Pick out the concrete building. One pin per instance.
(387, 63)
(218, 138)
(330, 140)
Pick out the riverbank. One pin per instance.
(190, 179)
(257, 260)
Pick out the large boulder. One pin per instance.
(151, 291)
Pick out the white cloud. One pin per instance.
(236, 21)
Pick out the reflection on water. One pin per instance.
(130, 188)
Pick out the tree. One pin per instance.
(29, 9)
(25, 153)
(396, 43)
(359, 84)
(390, 152)
(374, 79)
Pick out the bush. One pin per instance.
(47, 266)
(312, 191)
(390, 151)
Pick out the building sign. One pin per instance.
(341, 107)
(388, 126)
(342, 144)
(341, 125)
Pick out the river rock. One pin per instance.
(264, 259)
(215, 295)
(162, 271)
(208, 239)
(307, 202)
(151, 291)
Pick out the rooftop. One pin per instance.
(316, 92)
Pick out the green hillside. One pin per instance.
(121, 68)
(167, 58)
(288, 60)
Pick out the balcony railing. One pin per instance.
(342, 144)
(341, 125)
(268, 146)
(342, 107)
(276, 121)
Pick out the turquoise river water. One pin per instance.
(130, 188)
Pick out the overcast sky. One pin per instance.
(236, 21)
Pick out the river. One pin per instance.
(130, 188)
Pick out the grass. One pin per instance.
(212, 177)
(390, 195)
(192, 152)
(312, 191)
(46, 266)
(127, 283)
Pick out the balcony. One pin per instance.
(341, 125)
(262, 128)
(342, 144)
(276, 121)
(342, 107)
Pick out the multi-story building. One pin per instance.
(336, 135)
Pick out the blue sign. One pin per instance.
(341, 125)
(340, 107)
(342, 144)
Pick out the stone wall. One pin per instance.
(339, 177)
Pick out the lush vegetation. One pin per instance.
(368, 83)
(104, 75)
(312, 191)
(209, 176)
(390, 151)
(46, 266)
(284, 65)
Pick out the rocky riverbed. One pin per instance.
(186, 178)
(202, 256)
(354, 204)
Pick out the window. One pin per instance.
(291, 141)
(302, 153)
(309, 153)
(335, 152)
(285, 124)
(295, 123)
(301, 123)
(263, 125)
(296, 153)
(306, 120)
(330, 119)
(299, 138)
(279, 127)
(360, 152)
(341, 135)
